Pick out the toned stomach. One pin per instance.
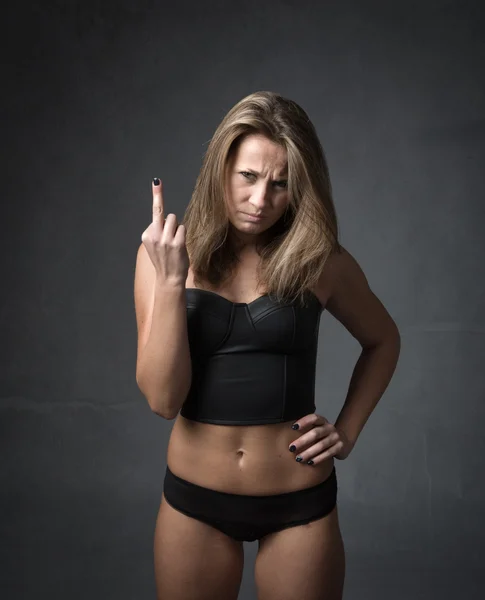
(252, 460)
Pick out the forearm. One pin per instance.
(165, 371)
(371, 376)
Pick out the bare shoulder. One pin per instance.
(352, 302)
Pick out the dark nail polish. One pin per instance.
(292, 448)
(156, 181)
(310, 462)
(295, 426)
(299, 459)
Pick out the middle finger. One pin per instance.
(157, 210)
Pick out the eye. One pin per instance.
(283, 184)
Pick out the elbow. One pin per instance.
(161, 410)
(395, 337)
(164, 415)
(166, 405)
(157, 405)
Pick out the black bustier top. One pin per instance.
(252, 363)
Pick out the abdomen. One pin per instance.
(247, 459)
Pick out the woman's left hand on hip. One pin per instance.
(319, 441)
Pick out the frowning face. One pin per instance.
(256, 186)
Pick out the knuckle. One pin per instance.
(146, 237)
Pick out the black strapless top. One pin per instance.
(251, 363)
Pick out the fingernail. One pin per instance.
(156, 181)
(295, 426)
(310, 462)
(299, 459)
(292, 448)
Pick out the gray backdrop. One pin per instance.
(96, 101)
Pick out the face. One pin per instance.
(256, 184)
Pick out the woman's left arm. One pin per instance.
(352, 302)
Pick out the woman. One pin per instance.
(228, 306)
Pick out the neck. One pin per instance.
(248, 245)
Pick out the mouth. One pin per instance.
(254, 218)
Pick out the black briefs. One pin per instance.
(249, 518)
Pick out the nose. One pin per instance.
(259, 197)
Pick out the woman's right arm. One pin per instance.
(163, 367)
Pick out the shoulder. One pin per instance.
(350, 299)
(341, 266)
(335, 263)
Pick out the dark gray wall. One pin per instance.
(96, 101)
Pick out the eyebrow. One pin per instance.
(283, 174)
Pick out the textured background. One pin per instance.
(100, 97)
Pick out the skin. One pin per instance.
(246, 459)
(193, 559)
(256, 183)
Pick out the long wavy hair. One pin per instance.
(297, 246)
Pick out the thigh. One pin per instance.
(304, 561)
(193, 559)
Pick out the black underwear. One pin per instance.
(249, 518)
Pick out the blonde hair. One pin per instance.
(303, 238)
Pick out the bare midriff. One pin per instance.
(242, 459)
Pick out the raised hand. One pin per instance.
(164, 241)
